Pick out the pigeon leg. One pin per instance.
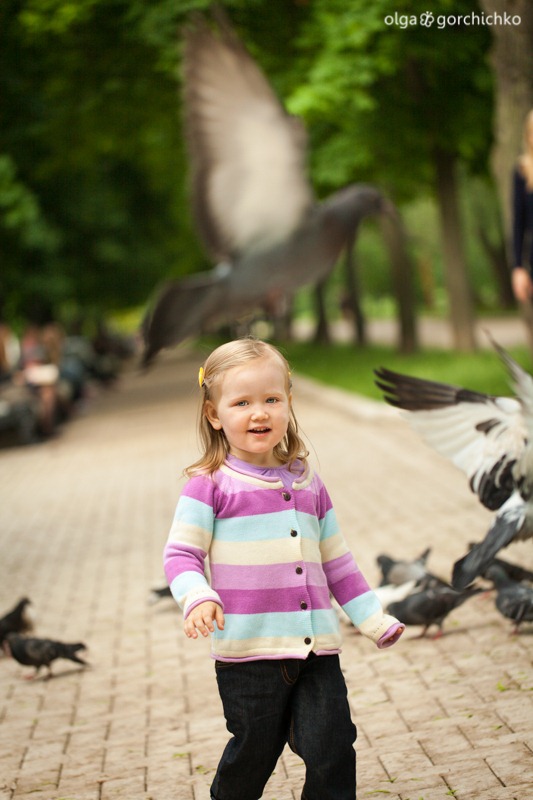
(421, 635)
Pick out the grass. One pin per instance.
(352, 368)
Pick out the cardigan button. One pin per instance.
(307, 640)
(294, 533)
(299, 570)
(286, 496)
(303, 605)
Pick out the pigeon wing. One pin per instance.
(516, 603)
(247, 154)
(507, 524)
(422, 608)
(483, 435)
(522, 383)
(40, 652)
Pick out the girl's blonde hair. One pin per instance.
(213, 442)
(526, 159)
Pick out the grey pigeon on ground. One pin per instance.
(34, 652)
(516, 572)
(253, 206)
(18, 620)
(514, 600)
(390, 592)
(431, 606)
(399, 571)
(489, 438)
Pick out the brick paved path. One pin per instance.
(83, 522)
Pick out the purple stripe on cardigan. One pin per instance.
(179, 557)
(265, 576)
(264, 601)
(338, 567)
(265, 501)
(349, 587)
(228, 501)
(200, 488)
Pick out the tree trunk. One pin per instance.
(322, 335)
(459, 295)
(402, 277)
(497, 256)
(353, 293)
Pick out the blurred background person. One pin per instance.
(522, 207)
(41, 376)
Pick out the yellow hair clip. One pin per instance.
(201, 373)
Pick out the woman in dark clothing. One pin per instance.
(522, 268)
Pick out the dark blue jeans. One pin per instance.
(268, 703)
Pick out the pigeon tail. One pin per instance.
(476, 561)
(69, 651)
(178, 307)
(158, 594)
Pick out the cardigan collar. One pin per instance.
(265, 476)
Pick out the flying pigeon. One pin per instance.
(33, 652)
(253, 206)
(400, 571)
(489, 438)
(18, 620)
(430, 606)
(514, 600)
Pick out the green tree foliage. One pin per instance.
(91, 127)
(93, 172)
(381, 92)
(412, 94)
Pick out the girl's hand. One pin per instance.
(202, 619)
(522, 284)
(392, 635)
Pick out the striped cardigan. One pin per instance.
(275, 554)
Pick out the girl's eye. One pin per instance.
(272, 400)
(242, 403)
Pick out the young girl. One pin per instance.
(264, 518)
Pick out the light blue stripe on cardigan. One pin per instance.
(261, 527)
(194, 512)
(279, 624)
(329, 524)
(361, 608)
(186, 581)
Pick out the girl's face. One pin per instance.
(251, 404)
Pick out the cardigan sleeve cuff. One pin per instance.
(202, 594)
(391, 636)
(380, 627)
